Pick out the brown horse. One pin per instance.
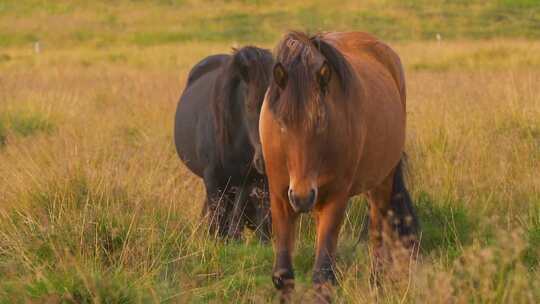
(333, 126)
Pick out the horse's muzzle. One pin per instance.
(302, 204)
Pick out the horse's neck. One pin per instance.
(236, 110)
(236, 127)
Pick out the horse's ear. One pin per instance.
(241, 64)
(324, 74)
(243, 69)
(280, 75)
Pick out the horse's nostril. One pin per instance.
(303, 203)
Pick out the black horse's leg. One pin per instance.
(257, 214)
(264, 221)
(215, 208)
(236, 216)
(261, 201)
(257, 218)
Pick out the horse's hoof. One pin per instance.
(284, 282)
(285, 296)
(278, 282)
(323, 293)
(283, 279)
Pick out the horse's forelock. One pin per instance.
(300, 102)
(337, 61)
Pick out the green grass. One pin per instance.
(13, 39)
(532, 253)
(24, 123)
(446, 227)
(518, 4)
(169, 21)
(228, 27)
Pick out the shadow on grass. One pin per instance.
(225, 272)
(445, 227)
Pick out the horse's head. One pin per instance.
(247, 76)
(310, 80)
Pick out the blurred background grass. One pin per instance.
(95, 206)
(157, 22)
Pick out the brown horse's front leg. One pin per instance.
(283, 226)
(329, 219)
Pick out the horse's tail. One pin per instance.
(406, 223)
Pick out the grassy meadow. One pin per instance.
(95, 206)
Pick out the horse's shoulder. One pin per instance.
(206, 65)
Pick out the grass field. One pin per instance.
(95, 206)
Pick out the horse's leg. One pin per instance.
(257, 218)
(257, 214)
(379, 203)
(392, 218)
(264, 219)
(236, 222)
(283, 229)
(402, 215)
(329, 218)
(215, 205)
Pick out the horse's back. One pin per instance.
(206, 65)
(370, 49)
(193, 132)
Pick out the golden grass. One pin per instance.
(100, 208)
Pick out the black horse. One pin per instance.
(217, 137)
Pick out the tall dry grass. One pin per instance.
(95, 207)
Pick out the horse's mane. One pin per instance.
(250, 64)
(301, 96)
